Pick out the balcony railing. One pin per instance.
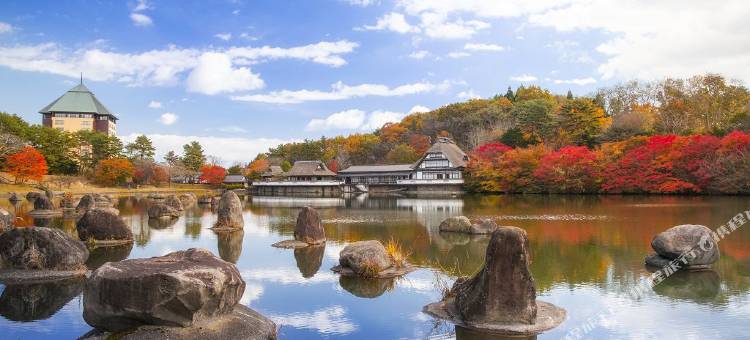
(296, 183)
(430, 181)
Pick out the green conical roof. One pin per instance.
(78, 99)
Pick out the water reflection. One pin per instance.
(309, 259)
(366, 288)
(468, 334)
(101, 255)
(700, 287)
(230, 245)
(161, 223)
(38, 301)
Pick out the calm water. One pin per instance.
(586, 252)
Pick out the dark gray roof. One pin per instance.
(309, 168)
(445, 145)
(377, 168)
(78, 99)
(234, 179)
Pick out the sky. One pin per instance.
(241, 76)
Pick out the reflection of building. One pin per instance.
(304, 178)
(78, 109)
(439, 170)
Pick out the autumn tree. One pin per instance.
(116, 171)
(212, 174)
(285, 166)
(401, 154)
(420, 143)
(26, 164)
(571, 169)
(581, 122)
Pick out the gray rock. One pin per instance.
(31, 196)
(41, 249)
(241, 323)
(176, 290)
(365, 258)
(459, 224)
(43, 203)
(161, 210)
(675, 241)
(485, 226)
(174, 202)
(85, 203)
(103, 225)
(501, 297)
(229, 212)
(7, 220)
(309, 228)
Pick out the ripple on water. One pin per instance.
(561, 217)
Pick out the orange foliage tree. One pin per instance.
(572, 169)
(26, 164)
(116, 171)
(213, 174)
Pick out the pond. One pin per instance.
(586, 252)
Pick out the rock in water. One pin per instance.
(675, 241)
(161, 210)
(230, 212)
(43, 203)
(103, 225)
(459, 224)
(87, 202)
(6, 220)
(31, 196)
(501, 297)
(365, 257)
(178, 289)
(174, 202)
(503, 291)
(309, 228)
(41, 249)
(485, 226)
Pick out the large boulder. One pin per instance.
(178, 289)
(6, 220)
(161, 210)
(501, 297)
(41, 249)
(103, 225)
(174, 202)
(309, 228)
(85, 203)
(229, 212)
(369, 259)
(458, 224)
(32, 195)
(673, 242)
(42, 203)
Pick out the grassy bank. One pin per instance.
(22, 189)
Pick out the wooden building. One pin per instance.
(305, 178)
(78, 109)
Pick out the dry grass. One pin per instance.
(396, 252)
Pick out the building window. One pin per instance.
(102, 117)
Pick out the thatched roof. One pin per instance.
(273, 171)
(447, 147)
(309, 168)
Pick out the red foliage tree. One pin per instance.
(213, 174)
(420, 143)
(572, 169)
(113, 171)
(26, 164)
(490, 150)
(333, 165)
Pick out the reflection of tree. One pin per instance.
(309, 259)
(230, 245)
(38, 301)
(193, 225)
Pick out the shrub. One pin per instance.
(116, 171)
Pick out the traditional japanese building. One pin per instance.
(305, 178)
(78, 109)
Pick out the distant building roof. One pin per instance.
(273, 170)
(78, 100)
(455, 155)
(377, 168)
(234, 179)
(309, 168)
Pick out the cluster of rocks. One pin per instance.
(229, 213)
(369, 259)
(308, 231)
(462, 224)
(693, 241)
(169, 207)
(192, 295)
(7, 219)
(39, 254)
(501, 297)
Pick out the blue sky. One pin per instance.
(241, 76)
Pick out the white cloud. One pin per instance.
(164, 67)
(223, 36)
(168, 118)
(419, 108)
(141, 5)
(341, 91)
(394, 22)
(215, 74)
(140, 19)
(458, 54)
(361, 3)
(228, 129)
(524, 78)
(329, 320)
(325, 52)
(570, 51)
(154, 104)
(470, 94)
(483, 47)
(349, 119)
(355, 119)
(231, 149)
(575, 81)
(419, 54)
(5, 27)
